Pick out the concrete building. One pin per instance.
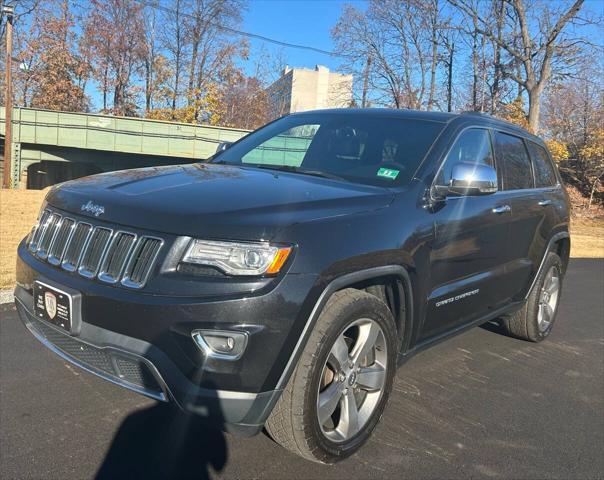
(301, 89)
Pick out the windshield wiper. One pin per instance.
(303, 171)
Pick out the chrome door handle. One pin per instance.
(502, 209)
(545, 203)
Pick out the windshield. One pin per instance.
(373, 150)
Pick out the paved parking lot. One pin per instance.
(478, 406)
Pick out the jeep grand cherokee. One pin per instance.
(283, 281)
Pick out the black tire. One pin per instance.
(294, 421)
(524, 324)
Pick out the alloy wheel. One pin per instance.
(352, 380)
(548, 299)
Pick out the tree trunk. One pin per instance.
(534, 96)
(498, 73)
(366, 82)
(434, 56)
(475, 71)
(148, 74)
(450, 79)
(193, 66)
(177, 58)
(593, 192)
(105, 88)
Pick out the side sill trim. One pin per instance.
(420, 347)
(552, 240)
(335, 285)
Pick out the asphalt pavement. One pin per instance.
(481, 405)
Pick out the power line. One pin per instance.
(240, 32)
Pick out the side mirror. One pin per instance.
(222, 146)
(472, 179)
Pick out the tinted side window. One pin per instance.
(472, 146)
(513, 159)
(545, 176)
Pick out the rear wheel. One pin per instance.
(535, 320)
(341, 384)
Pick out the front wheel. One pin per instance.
(341, 384)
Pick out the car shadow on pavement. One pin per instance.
(494, 326)
(163, 442)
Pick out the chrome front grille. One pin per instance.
(94, 251)
(48, 233)
(38, 231)
(73, 251)
(57, 249)
(115, 260)
(141, 261)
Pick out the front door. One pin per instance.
(470, 248)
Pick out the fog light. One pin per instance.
(221, 344)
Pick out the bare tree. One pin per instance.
(574, 117)
(150, 56)
(401, 40)
(533, 50)
(115, 32)
(174, 42)
(51, 74)
(206, 37)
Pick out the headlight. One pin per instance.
(235, 258)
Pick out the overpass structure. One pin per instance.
(49, 146)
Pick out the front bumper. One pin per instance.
(143, 343)
(125, 361)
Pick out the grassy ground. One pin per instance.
(19, 208)
(587, 238)
(18, 212)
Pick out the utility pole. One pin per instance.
(8, 97)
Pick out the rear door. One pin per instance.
(468, 255)
(550, 197)
(529, 206)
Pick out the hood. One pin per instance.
(214, 201)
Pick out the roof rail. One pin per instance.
(472, 112)
(497, 119)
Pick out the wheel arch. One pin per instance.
(360, 279)
(559, 243)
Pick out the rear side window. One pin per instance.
(472, 146)
(545, 176)
(514, 161)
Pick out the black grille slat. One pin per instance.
(116, 257)
(55, 254)
(50, 229)
(141, 262)
(77, 243)
(94, 251)
(91, 259)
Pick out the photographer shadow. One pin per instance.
(164, 442)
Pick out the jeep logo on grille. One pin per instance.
(90, 207)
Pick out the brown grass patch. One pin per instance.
(587, 238)
(18, 212)
(19, 208)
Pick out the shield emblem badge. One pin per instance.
(50, 302)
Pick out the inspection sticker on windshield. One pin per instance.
(388, 173)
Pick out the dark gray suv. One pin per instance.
(280, 283)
